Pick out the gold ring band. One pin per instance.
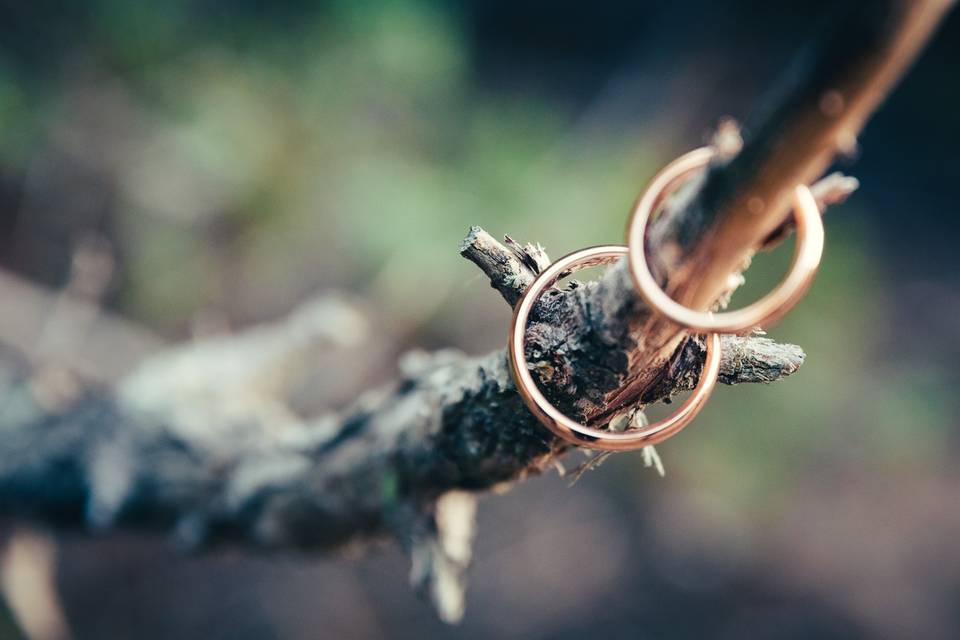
(763, 312)
(551, 417)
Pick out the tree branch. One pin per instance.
(195, 443)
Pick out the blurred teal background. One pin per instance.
(234, 158)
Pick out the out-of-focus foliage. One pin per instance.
(250, 167)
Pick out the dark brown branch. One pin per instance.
(709, 233)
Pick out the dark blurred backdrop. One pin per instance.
(232, 158)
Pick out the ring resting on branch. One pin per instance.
(200, 441)
(191, 443)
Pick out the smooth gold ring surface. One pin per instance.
(551, 417)
(763, 312)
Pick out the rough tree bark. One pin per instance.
(196, 442)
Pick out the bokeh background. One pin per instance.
(222, 161)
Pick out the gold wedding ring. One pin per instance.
(762, 313)
(555, 420)
(772, 307)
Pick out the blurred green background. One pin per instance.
(237, 157)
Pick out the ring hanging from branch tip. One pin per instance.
(762, 313)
